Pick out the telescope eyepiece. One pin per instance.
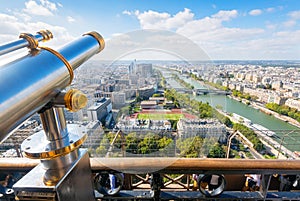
(98, 37)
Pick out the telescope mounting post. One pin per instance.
(64, 172)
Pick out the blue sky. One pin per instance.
(224, 29)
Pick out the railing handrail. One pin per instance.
(170, 165)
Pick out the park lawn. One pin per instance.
(160, 116)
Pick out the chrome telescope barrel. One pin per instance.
(28, 84)
(26, 40)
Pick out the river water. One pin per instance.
(229, 105)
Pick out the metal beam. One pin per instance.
(165, 165)
(194, 165)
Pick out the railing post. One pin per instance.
(127, 182)
(265, 183)
(188, 181)
(156, 183)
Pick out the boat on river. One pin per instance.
(255, 127)
(241, 119)
(262, 129)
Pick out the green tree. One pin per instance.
(156, 95)
(132, 143)
(104, 145)
(272, 106)
(207, 146)
(149, 144)
(138, 99)
(166, 146)
(190, 147)
(250, 135)
(283, 110)
(176, 103)
(173, 124)
(217, 151)
(227, 122)
(247, 96)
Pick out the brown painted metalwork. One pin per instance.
(183, 165)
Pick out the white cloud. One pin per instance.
(126, 12)
(255, 12)
(289, 23)
(61, 36)
(49, 5)
(44, 8)
(225, 15)
(208, 25)
(21, 15)
(271, 9)
(27, 20)
(180, 19)
(281, 43)
(117, 34)
(270, 25)
(208, 32)
(222, 42)
(292, 21)
(7, 18)
(152, 20)
(13, 25)
(152, 44)
(70, 19)
(36, 9)
(294, 15)
(155, 20)
(10, 25)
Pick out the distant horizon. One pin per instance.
(218, 60)
(208, 60)
(264, 63)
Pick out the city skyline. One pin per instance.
(239, 30)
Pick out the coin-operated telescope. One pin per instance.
(35, 83)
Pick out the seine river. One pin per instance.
(232, 106)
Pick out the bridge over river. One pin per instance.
(202, 91)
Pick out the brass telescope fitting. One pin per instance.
(98, 37)
(33, 42)
(62, 58)
(47, 35)
(75, 100)
(26, 40)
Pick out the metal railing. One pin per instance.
(162, 167)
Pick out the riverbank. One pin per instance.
(265, 110)
(272, 147)
(260, 107)
(275, 114)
